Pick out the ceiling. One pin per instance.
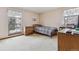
(39, 9)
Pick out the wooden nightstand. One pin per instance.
(29, 30)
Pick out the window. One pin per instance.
(15, 21)
(71, 16)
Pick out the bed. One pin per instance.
(50, 31)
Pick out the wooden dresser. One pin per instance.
(68, 42)
(29, 30)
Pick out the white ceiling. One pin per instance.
(40, 9)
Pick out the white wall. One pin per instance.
(53, 18)
(3, 21)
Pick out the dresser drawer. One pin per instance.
(28, 30)
(68, 42)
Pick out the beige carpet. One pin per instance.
(33, 42)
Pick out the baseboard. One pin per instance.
(10, 36)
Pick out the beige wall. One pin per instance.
(27, 20)
(53, 18)
(3, 21)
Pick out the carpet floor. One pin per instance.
(35, 42)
